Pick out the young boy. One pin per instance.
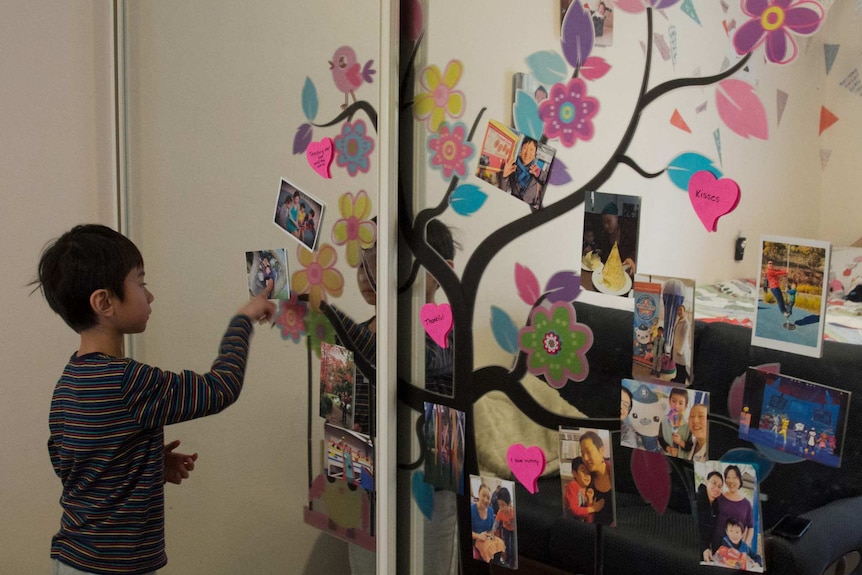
(108, 411)
(733, 551)
(675, 434)
(505, 521)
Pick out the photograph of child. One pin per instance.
(663, 329)
(729, 523)
(666, 419)
(299, 214)
(268, 273)
(586, 475)
(602, 16)
(515, 163)
(492, 520)
(795, 416)
(444, 447)
(337, 380)
(792, 287)
(610, 243)
(349, 457)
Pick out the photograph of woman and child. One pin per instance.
(729, 524)
(299, 214)
(492, 519)
(664, 419)
(586, 473)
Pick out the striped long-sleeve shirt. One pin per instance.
(107, 447)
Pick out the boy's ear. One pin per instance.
(451, 263)
(102, 303)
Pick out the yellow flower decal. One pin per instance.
(440, 98)
(354, 229)
(318, 278)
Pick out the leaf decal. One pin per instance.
(527, 284)
(651, 473)
(559, 174)
(740, 109)
(548, 67)
(309, 100)
(302, 138)
(467, 199)
(563, 286)
(504, 329)
(630, 6)
(577, 35)
(594, 68)
(525, 112)
(683, 167)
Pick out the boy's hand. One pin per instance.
(177, 465)
(259, 309)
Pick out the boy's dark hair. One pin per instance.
(503, 495)
(87, 258)
(439, 237)
(678, 391)
(734, 522)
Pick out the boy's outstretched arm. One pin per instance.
(177, 465)
(259, 309)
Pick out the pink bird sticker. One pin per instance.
(348, 74)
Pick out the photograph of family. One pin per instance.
(299, 214)
(492, 521)
(665, 419)
(586, 475)
(730, 529)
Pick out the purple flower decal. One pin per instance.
(556, 344)
(353, 147)
(450, 150)
(568, 112)
(772, 21)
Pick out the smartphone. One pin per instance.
(791, 527)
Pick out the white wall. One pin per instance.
(56, 169)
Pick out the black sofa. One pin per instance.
(644, 542)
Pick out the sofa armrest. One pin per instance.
(835, 531)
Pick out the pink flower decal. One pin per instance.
(772, 22)
(353, 148)
(556, 344)
(440, 97)
(354, 229)
(291, 318)
(568, 112)
(318, 278)
(450, 150)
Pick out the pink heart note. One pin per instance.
(437, 320)
(319, 156)
(712, 198)
(527, 463)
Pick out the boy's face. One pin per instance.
(502, 505)
(582, 474)
(366, 275)
(625, 404)
(734, 533)
(528, 152)
(132, 313)
(678, 401)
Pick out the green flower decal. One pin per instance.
(556, 345)
(319, 329)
